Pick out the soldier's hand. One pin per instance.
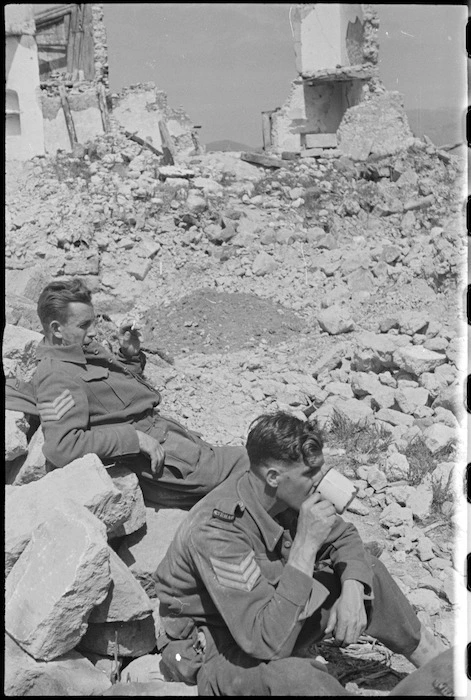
(347, 619)
(130, 338)
(316, 519)
(154, 450)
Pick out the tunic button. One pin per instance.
(95, 352)
(287, 545)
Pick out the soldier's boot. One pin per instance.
(428, 647)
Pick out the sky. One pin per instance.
(226, 63)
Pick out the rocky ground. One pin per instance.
(317, 285)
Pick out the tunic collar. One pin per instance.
(64, 353)
(271, 530)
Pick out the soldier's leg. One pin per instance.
(228, 671)
(192, 466)
(391, 618)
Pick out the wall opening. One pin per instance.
(12, 113)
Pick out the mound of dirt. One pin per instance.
(210, 321)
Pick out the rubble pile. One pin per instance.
(315, 227)
(363, 258)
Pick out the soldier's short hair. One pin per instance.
(56, 296)
(282, 436)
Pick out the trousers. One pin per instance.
(192, 466)
(227, 670)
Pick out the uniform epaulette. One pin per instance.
(228, 510)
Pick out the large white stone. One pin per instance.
(394, 515)
(420, 500)
(425, 599)
(335, 320)
(84, 481)
(62, 574)
(397, 466)
(409, 399)
(16, 427)
(416, 359)
(127, 483)
(438, 436)
(355, 410)
(374, 352)
(19, 348)
(126, 599)
(389, 415)
(144, 550)
(34, 466)
(68, 675)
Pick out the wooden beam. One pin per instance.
(105, 117)
(53, 14)
(87, 59)
(260, 159)
(266, 130)
(141, 142)
(68, 116)
(167, 144)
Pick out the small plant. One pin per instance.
(441, 493)
(421, 460)
(363, 442)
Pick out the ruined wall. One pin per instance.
(336, 50)
(139, 108)
(312, 109)
(23, 123)
(330, 35)
(82, 94)
(100, 43)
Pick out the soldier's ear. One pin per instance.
(56, 329)
(272, 477)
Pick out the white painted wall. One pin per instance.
(320, 34)
(22, 76)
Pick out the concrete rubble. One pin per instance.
(362, 258)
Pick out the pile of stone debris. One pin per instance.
(134, 228)
(324, 237)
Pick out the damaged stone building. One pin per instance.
(338, 100)
(57, 88)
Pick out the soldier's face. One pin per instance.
(79, 328)
(297, 481)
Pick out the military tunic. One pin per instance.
(227, 573)
(93, 402)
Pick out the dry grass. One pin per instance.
(364, 443)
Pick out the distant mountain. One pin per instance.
(442, 126)
(228, 145)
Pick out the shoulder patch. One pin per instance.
(55, 410)
(242, 575)
(221, 515)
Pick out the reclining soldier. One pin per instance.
(263, 566)
(92, 401)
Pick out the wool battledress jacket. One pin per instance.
(92, 401)
(227, 569)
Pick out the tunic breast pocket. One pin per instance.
(109, 391)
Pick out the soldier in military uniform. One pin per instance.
(263, 565)
(90, 400)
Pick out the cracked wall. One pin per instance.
(24, 136)
(336, 52)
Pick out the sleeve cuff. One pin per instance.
(360, 572)
(128, 440)
(297, 586)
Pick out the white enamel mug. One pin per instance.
(337, 489)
